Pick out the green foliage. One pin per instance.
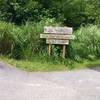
(7, 38)
(91, 57)
(19, 11)
(43, 65)
(76, 12)
(79, 12)
(87, 42)
(23, 41)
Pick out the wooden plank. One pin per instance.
(64, 51)
(49, 49)
(57, 36)
(58, 30)
(53, 41)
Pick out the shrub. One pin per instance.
(6, 37)
(87, 42)
(23, 41)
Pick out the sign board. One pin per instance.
(53, 41)
(58, 30)
(57, 35)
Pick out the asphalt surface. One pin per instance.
(75, 85)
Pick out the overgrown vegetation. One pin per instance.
(22, 41)
(75, 12)
(50, 65)
(22, 21)
(87, 43)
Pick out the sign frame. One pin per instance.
(57, 35)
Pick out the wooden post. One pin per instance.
(64, 51)
(49, 49)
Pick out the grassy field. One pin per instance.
(38, 65)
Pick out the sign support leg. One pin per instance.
(64, 51)
(49, 49)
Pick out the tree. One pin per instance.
(18, 11)
(76, 12)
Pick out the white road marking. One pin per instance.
(33, 85)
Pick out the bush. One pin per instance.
(87, 42)
(23, 41)
(7, 38)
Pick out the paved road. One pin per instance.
(75, 85)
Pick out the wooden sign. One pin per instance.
(57, 35)
(58, 30)
(53, 41)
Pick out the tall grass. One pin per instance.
(87, 42)
(23, 41)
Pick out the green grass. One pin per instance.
(87, 64)
(34, 65)
(44, 66)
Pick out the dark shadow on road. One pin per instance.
(96, 68)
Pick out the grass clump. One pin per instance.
(87, 43)
(22, 42)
